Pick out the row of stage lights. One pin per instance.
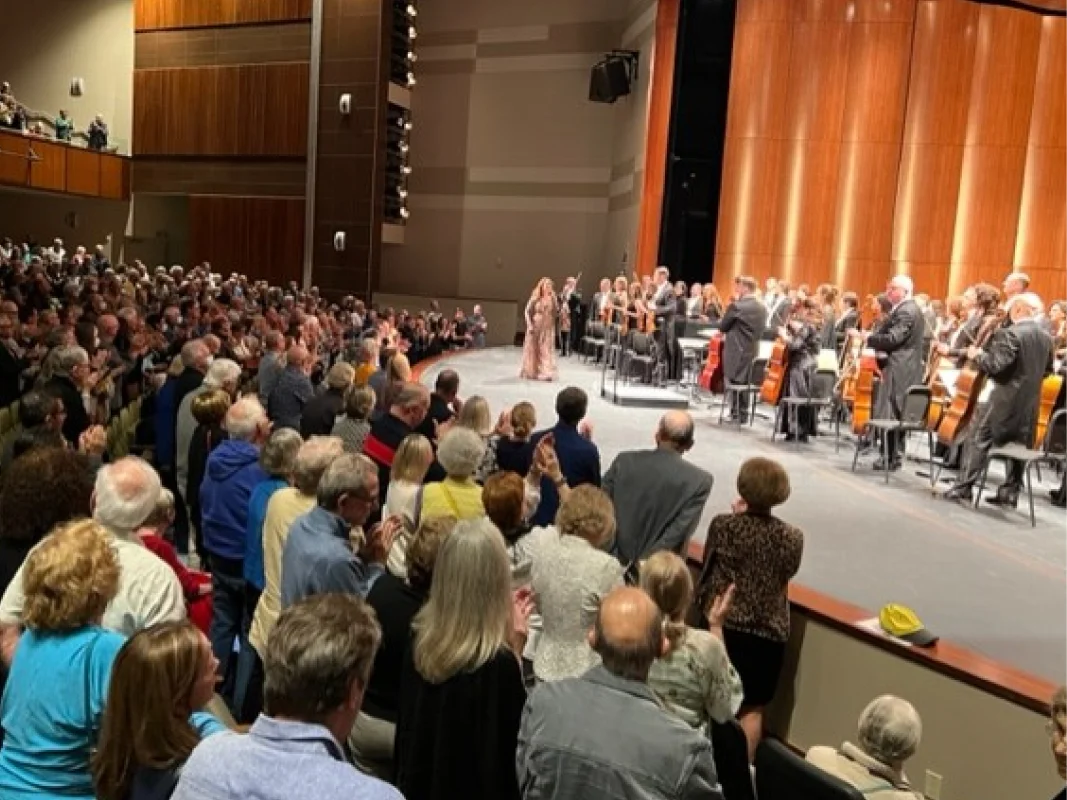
(398, 138)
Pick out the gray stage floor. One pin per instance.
(982, 578)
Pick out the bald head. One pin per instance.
(1024, 305)
(675, 431)
(297, 356)
(628, 634)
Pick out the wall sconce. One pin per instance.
(339, 241)
(344, 104)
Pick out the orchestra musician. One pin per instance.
(981, 301)
(712, 303)
(1016, 358)
(601, 299)
(779, 312)
(827, 296)
(569, 303)
(900, 338)
(694, 306)
(665, 305)
(802, 336)
(849, 319)
(743, 324)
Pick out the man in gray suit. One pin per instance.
(658, 495)
(1017, 358)
(743, 324)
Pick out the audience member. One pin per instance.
(396, 601)
(388, 383)
(277, 459)
(161, 680)
(460, 453)
(271, 365)
(285, 506)
(504, 499)
(513, 451)
(195, 360)
(366, 361)
(317, 667)
(759, 553)
(1057, 731)
(232, 472)
(658, 495)
(604, 735)
(98, 133)
(461, 688)
(40, 412)
(476, 416)
(578, 457)
(571, 574)
(444, 403)
(889, 734)
(410, 465)
(70, 383)
(196, 586)
(293, 389)
(13, 361)
(354, 426)
(59, 674)
(318, 557)
(322, 411)
(388, 430)
(209, 410)
(124, 495)
(695, 678)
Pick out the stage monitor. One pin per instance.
(610, 79)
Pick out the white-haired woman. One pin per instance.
(461, 452)
(461, 689)
(70, 383)
(476, 416)
(889, 733)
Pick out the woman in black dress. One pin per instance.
(801, 334)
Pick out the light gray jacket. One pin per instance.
(601, 736)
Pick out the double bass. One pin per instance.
(1050, 391)
(969, 384)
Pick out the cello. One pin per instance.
(863, 392)
(936, 411)
(1050, 391)
(774, 376)
(958, 415)
(711, 378)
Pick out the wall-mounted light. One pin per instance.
(403, 147)
(412, 33)
(401, 193)
(412, 11)
(405, 170)
(405, 213)
(339, 241)
(344, 104)
(408, 126)
(412, 57)
(411, 79)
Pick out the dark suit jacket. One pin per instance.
(440, 412)
(1017, 358)
(901, 338)
(77, 420)
(658, 498)
(743, 324)
(665, 304)
(579, 460)
(320, 412)
(777, 315)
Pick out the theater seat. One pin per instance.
(783, 775)
(730, 750)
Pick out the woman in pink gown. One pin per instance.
(539, 349)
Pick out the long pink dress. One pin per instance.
(539, 348)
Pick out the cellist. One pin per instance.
(1017, 357)
(802, 334)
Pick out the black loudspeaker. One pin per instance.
(609, 80)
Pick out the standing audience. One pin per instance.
(460, 454)
(578, 457)
(476, 416)
(444, 403)
(209, 409)
(293, 390)
(354, 426)
(513, 453)
(412, 462)
(321, 412)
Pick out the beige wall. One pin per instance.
(516, 174)
(74, 219)
(159, 229)
(49, 42)
(984, 748)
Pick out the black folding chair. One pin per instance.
(912, 419)
(747, 392)
(820, 395)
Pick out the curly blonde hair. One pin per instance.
(587, 513)
(70, 578)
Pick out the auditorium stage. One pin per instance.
(982, 578)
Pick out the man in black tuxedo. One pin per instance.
(743, 324)
(1016, 359)
(900, 339)
(665, 305)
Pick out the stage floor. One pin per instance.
(981, 578)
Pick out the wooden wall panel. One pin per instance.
(244, 110)
(914, 136)
(83, 171)
(49, 173)
(164, 14)
(262, 237)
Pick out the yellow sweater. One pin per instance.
(452, 498)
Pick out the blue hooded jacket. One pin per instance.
(232, 473)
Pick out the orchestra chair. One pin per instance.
(913, 419)
(1053, 451)
(820, 395)
(729, 748)
(749, 391)
(640, 352)
(783, 775)
(615, 345)
(594, 340)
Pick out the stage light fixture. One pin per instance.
(412, 11)
(405, 213)
(405, 170)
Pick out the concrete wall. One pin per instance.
(516, 174)
(49, 42)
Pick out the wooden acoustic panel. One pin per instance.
(761, 64)
(262, 237)
(49, 169)
(165, 14)
(83, 172)
(1041, 241)
(244, 110)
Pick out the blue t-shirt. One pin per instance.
(257, 515)
(51, 712)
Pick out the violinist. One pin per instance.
(827, 298)
(980, 303)
(1016, 358)
(801, 334)
(849, 319)
(694, 306)
(712, 304)
(601, 299)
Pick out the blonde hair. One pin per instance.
(523, 419)
(398, 369)
(666, 579)
(475, 416)
(588, 514)
(146, 720)
(70, 578)
(467, 618)
(210, 407)
(412, 460)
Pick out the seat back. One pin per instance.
(641, 343)
(916, 405)
(783, 775)
(822, 385)
(757, 371)
(730, 750)
(1056, 435)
